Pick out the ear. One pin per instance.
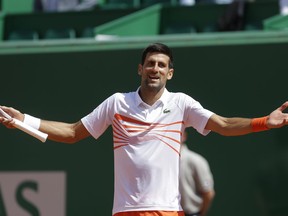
(140, 69)
(170, 74)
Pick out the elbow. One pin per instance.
(72, 139)
(74, 133)
(223, 130)
(61, 139)
(224, 133)
(213, 194)
(69, 138)
(219, 125)
(209, 196)
(77, 133)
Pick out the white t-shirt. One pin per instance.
(147, 146)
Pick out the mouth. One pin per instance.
(154, 78)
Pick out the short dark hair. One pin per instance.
(158, 47)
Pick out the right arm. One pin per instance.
(57, 131)
(64, 132)
(241, 126)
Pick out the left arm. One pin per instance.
(207, 201)
(240, 126)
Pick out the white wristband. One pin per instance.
(32, 121)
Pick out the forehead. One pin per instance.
(156, 56)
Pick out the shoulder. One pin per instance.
(124, 100)
(180, 97)
(121, 95)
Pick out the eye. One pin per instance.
(150, 64)
(162, 65)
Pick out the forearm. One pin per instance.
(236, 127)
(229, 126)
(59, 131)
(207, 201)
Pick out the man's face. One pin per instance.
(155, 71)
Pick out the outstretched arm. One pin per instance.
(240, 126)
(57, 131)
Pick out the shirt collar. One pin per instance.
(163, 99)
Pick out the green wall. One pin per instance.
(250, 172)
(16, 6)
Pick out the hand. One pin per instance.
(9, 123)
(277, 118)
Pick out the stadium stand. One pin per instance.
(167, 18)
(63, 33)
(23, 35)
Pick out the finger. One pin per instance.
(5, 108)
(9, 110)
(283, 107)
(9, 123)
(286, 119)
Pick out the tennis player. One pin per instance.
(147, 127)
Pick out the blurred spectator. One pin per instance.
(196, 182)
(233, 18)
(63, 5)
(187, 2)
(193, 2)
(283, 7)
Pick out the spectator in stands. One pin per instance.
(196, 182)
(283, 7)
(63, 5)
(233, 18)
(193, 2)
(187, 2)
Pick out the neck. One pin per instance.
(150, 97)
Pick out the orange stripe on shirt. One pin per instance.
(122, 129)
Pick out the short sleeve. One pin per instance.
(196, 116)
(100, 118)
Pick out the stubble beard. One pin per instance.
(153, 86)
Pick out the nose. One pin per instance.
(156, 68)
